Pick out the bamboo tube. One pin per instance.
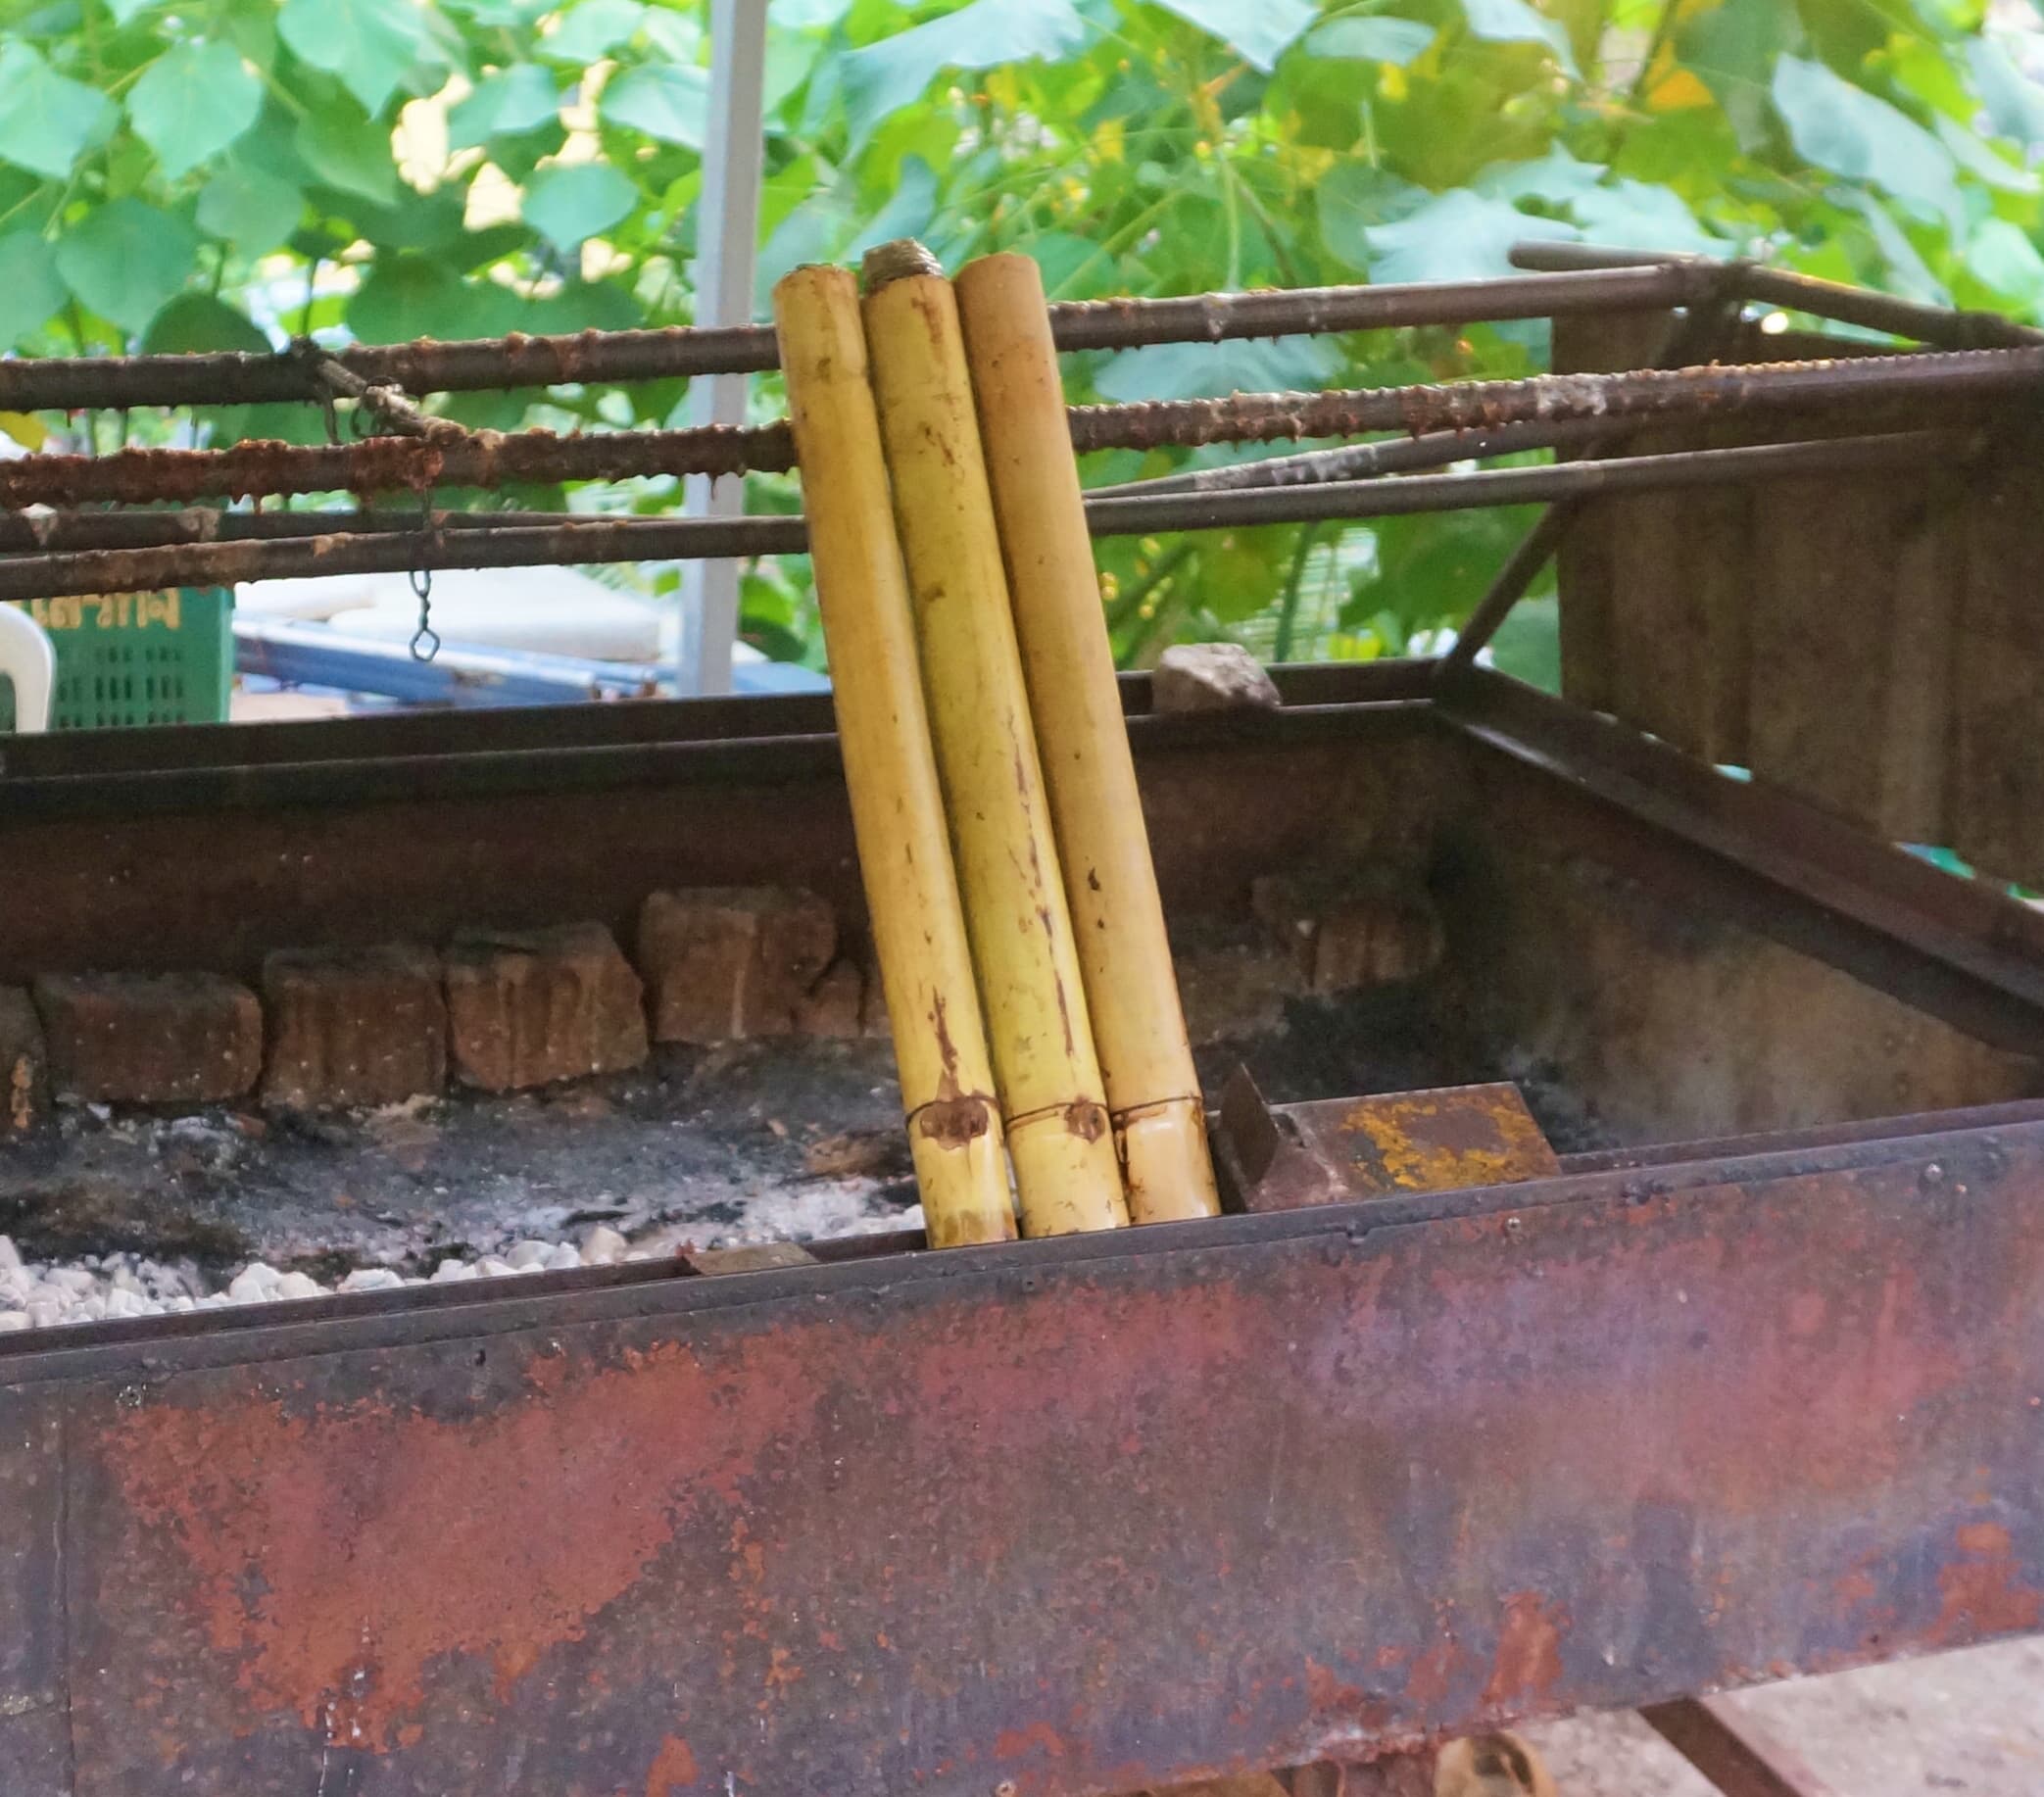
(1053, 1100)
(1131, 986)
(954, 1132)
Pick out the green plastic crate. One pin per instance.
(136, 658)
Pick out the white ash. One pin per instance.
(39, 1295)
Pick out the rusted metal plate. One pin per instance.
(1076, 1516)
(35, 1731)
(1286, 1157)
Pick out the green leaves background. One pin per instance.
(238, 171)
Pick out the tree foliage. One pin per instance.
(228, 173)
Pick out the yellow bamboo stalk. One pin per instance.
(1131, 987)
(919, 939)
(1053, 1100)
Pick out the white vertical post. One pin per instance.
(727, 255)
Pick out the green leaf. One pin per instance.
(1516, 22)
(2014, 103)
(125, 258)
(31, 288)
(589, 31)
(1636, 215)
(349, 154)
(1353, 199)
(1201, 370)
(907, 212)
(371, 45)
(883, 78)
(2000, 256)
(1909, 274)
(1851, 132)
(406, 297)
(200, 321)
(124, 10)
(1556, 178)
(1527, 644)
(1461, 236)
(1982, 160)
(1397, 41)
(1061, 256)
(253, 210)
(572, 200)
(192, 102)
(514, 100)
(46, 118)
(1261, 30)
(582, 305)
(669, 103)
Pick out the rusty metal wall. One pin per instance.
(1065, 1516)
(1867, 642)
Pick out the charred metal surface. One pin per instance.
(1289, 1156)
(600, 357)
(596, 539)
(212, 867)
(1069, 1517)
(1961, 950)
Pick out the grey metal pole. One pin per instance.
(728, 255)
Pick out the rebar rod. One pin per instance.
(1368, 461)
(1765, 285)
(523, 543)
(486, 459)
(389, 405)
(224, 377)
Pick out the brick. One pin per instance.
(24, 1065)
(530, 1007)
(727, 963)
(352, 1027)
(834, 1006)
(1290, 912)
(1377, 940)
(150, 1038)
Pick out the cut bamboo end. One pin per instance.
(1167, 1162)
(1017, 919)
(884, 735)
(1110, 880)
(1067, 1157)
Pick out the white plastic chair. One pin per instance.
(27, 658)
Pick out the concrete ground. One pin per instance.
(1969, 1724)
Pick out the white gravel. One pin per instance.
(39, 1295)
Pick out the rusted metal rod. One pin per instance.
(65, 383)
(1737, 1754)
(395, 463)
(521, 543)
(1764, 285)
(1697, 338)
(382, 465)
(1651, 395)
(387, 403)
(1368, 461)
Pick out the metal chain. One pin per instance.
(426, 640)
